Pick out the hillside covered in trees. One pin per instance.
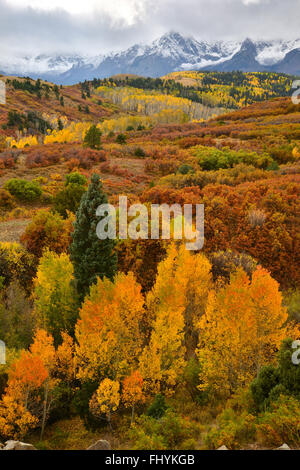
(142, 342)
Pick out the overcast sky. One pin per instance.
(100, 26)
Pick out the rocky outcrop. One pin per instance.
(283, 447)
(100, 445)
(17, 445)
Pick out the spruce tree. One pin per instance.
(90, 256)
(92, 138)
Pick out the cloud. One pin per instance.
(99, 26)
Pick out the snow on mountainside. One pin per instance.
(269, 53)
(38, 64)
(169, 53)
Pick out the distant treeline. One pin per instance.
(215, 89)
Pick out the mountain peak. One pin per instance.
(173, 35)
(248, 45)
(171, 52)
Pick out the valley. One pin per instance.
(142, 343)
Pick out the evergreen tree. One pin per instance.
(91, 257)
(121, 139)
(92, 138)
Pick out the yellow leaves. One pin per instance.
(154, 104)
(14, 250)
(15, 420)
(108, 396)
(52, 267)
(296, 153)
(53, 119)
(216, 91)
(28, 141)
(174, 305)
(109, 327)
(74, 132)
(54, 293)
(242, 327)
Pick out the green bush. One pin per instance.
(76, 178)
(121, 139)
(92, 138)
(292, 301)
(169, 432)
(214, 159)
(139, 152)
(273, 381)
(185, 169)
(68, 199)
(191, 380)
(233, 430)
(282, 154)
(158, 407)
(23, 190)
(240, 173)
(281, 423)
(262, 386)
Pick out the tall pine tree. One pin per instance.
(90, 256)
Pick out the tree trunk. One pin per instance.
(44, 411)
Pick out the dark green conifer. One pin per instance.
(90, 256)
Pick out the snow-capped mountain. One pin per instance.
(169, 53)
(37, 65)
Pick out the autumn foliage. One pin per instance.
(154, 345)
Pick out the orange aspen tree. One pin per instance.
(43, 347)
(132, 391)
(20, 404)
(65, 359)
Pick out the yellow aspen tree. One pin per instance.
(241, 331)
(162, 361)
(108, 331)
(15, 419)
(175, 305)
(108, 397)
(54, 294)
